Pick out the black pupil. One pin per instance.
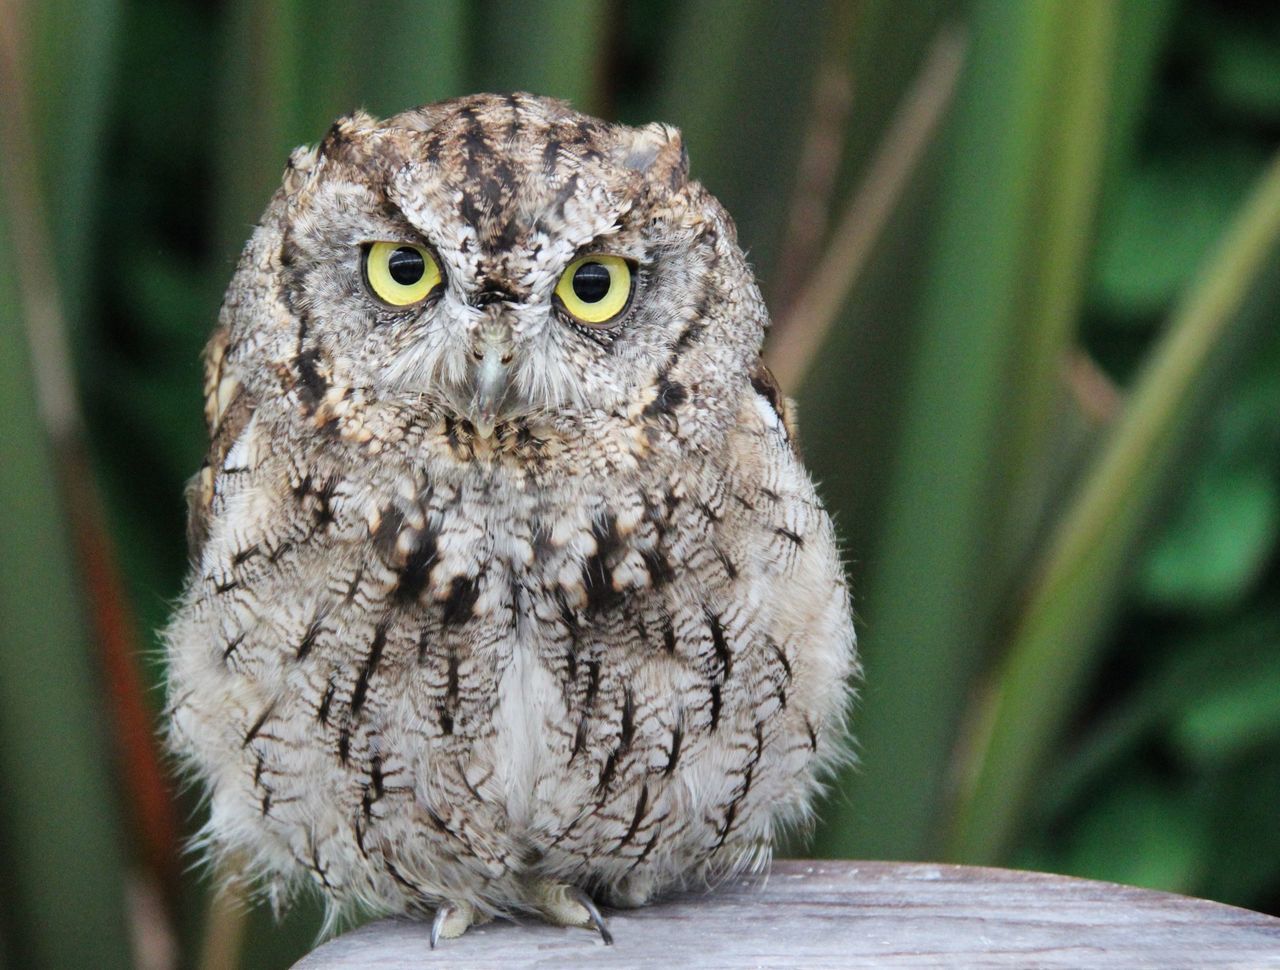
(591, 282)
(406, 266)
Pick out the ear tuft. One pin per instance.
(300, 166)
(657, 152)
(337, 141)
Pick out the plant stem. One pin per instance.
(1075, 588)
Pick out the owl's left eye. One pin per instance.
(595, 289)
(400, 274)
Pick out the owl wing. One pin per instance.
(227, 410)
(766, 385)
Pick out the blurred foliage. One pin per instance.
(1068, 219)
(1171, 775)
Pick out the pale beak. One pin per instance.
(491, 384)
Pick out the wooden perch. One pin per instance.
(857, 914)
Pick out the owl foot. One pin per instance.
(630, 892)
(566, 905)
(452, 920)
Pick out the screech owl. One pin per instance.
(509, 591)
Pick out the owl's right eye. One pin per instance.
(400, 274)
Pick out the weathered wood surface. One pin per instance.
(857, 914)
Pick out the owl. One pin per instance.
(509, 592)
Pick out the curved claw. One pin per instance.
(452, 920)
(566, 905)
(587, 903)
(437, 924)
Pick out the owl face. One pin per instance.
(498, 258)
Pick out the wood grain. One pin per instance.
(858, 914)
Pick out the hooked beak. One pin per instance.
(492, 381)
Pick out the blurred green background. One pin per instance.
(1022, 258)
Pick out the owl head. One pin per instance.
(498, 259)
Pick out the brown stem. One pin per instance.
(799, 332)
(114, 628)
(820, 157)
(1094, 393)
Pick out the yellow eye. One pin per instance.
(595, 288)
(400, 273)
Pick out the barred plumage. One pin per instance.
(491, 606)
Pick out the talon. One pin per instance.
(587, 903)
(452, 920)
(567, 905)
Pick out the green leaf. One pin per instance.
(999, 306)
(72, 64)
(1057, 634)
(64, 867)
(555, 48)
(1211, 660)
(1233, 718)
(1142, 833)
(1244, 71)
(1241, 800)
(721, 107)
(1220, 535)
(1167, 215)
(1220, 539)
